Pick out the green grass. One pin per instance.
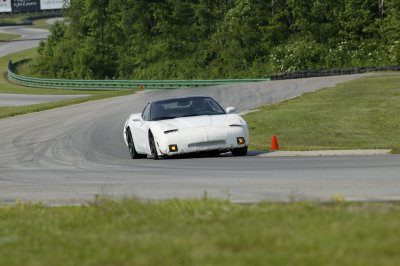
(19, 18)
(41, 24)
(201, 232)
(361, 114)
(14, 18)
(8, 37)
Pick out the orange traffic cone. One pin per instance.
(274, 144)
(141, 87)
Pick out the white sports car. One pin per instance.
(185, 125)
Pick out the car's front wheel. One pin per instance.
(239, 151)
(131, 146)
(153, 147)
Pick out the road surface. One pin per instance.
(30, 38)
(70, 154)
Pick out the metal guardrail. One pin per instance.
(114, 84)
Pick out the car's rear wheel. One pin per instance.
(131, 146)
(153, 147)
(239, 151)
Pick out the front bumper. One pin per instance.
(193, 140)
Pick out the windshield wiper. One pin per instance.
(200, 114)
(189, 115)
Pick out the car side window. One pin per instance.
(146, 113)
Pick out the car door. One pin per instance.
(140, 131)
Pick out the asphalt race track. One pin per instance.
(7, 100)
(70, 154)
(30, 38)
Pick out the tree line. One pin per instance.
(204, 39)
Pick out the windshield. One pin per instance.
(184, 107)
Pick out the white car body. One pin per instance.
(192, 134)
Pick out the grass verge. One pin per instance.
(41, 24)
(8, 37)
(200, 232)
(360, 114)
(19, 18)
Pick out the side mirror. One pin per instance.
(230, 110)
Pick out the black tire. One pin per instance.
(239, 151)
(215, 153)
(153, 147)
(131, 146)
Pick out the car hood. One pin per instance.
(199, 121)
